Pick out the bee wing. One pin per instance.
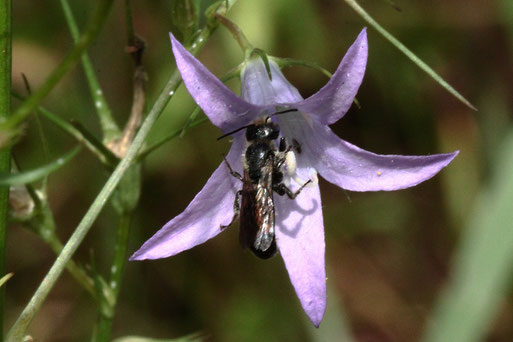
(248, 222)
(256, 230)
(265, 220)
(264, 213)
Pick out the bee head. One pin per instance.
(262, 129)
(265, 130)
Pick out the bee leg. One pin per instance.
(283, 144)
(236, 209)
(233, 173)
(284, 149)
(281, 189)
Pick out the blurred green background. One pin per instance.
(389, 254)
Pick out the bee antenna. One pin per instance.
(284, 111)
(230, 133)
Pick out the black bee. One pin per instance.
(262, 163)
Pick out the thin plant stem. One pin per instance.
(190, 120)
(80, 134)
(235, 72)
(89, 35)
(104, 327)
(43, 224)
(5, 110)
(120, 250)
(42, 136)
(147, 150)
(109, 127)
(426, 68)
(128, 190)
(22, 323)
(236, 32)
(288, 62)
(47, 231)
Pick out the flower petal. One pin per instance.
(334, 99)
(209, 210)
(225, 109)
(300, 238)
(257, 88)
(352, 168)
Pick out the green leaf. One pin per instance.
(38, 173)
(483, 263)
(261, 53)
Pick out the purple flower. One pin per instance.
(299, 222)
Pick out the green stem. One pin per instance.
(126, 197)
(43, 224)
(147, 150)
(130, 33)
(80, 134)
(93, 29)
(237, 33)
(42, 136)
(104, 327)
(189, 121)
(235, 72)
(288, 62)
(45, 228)
(25, 318)
(22, 323)
(109, 127)
(5, 110)
(426, 68)
(120, 252)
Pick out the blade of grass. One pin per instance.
(5, 110)
(22, 323)
(30, 176)
(80, 134)
(426, 68)
(483, 263)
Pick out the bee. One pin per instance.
(262, 164)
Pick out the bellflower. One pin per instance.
(299, 222)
